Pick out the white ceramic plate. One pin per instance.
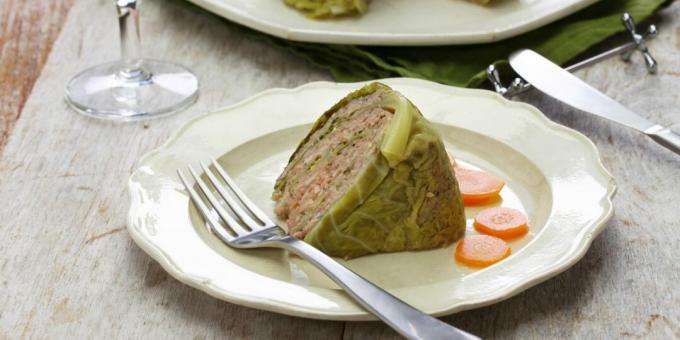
(400, 22)
(553, 174)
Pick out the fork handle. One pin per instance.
(402, 317)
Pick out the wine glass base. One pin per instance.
(104, 91)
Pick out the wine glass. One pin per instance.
(131, 88)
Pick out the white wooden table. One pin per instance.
(68, 269)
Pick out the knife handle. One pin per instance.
(665, 137)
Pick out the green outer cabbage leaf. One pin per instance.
(329, 8)
(406, 198)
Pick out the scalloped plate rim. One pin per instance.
(568, 260)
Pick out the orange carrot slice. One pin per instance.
(478, 187)
(506, 223)
(452, 160)
(481, 250)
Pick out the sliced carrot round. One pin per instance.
(481, 250)
(506, 223)
(452, 160)
(478, 187)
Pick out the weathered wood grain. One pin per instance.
(69, 270)
(27, 31)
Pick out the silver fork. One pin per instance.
(248, 227)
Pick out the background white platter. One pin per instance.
(400, 22)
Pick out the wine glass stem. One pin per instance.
(130, 40)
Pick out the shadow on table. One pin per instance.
(209, 318)
(545, 311)
(557, 299)
(550, 308)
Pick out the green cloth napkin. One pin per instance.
(560, 41)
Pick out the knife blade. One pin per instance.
(569, 89)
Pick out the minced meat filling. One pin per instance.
(323, 171)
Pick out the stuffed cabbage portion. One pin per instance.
(322, 9)
(329, 8)
(371, 176)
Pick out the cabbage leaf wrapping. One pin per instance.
(406, 198)
(329, 8)
(322, 9)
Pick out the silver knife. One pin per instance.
(567, 88)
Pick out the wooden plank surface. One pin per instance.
(69, 270)
(27, 31)
(72, 271)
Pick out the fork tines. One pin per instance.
(243, 217)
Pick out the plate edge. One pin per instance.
(569, 259)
